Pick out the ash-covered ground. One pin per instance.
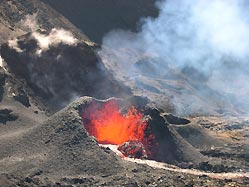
(51, 73)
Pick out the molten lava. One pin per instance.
(109, 126)
(131, 132)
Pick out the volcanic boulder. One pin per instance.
(21, 96)
(133, 149)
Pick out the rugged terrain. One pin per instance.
(43, 141)
(59, 152)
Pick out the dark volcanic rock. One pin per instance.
(176, 120)
(133, 149)
(60, 73)
(217, 168)
(7, 115)
(22, 97)
(172, 148)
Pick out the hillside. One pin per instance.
(78, 112)
(13, 14)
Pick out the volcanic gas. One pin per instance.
(109, 126)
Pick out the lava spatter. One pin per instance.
(109, 126)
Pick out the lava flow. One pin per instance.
(109, 126)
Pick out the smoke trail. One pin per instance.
(44, 39)
(206, 44)
(1, 62)
(54, 38)
(13, 43)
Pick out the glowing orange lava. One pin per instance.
(109, 126)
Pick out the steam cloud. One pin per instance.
(55, 37)
(29, 23)
(44, 40)
(13, 43)
(1, 62)
(205, 40)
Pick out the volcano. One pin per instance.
(108, 125)
(70, 115)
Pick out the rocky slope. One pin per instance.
(46, 62)
(59, 72)
(13, 15)
(59, 152)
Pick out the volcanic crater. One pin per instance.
(139, 130)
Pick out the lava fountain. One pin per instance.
(109, 126)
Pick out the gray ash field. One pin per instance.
(63, 80)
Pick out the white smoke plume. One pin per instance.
(13, 43)
(209, 37)
(1, 62)
(44, 40)
(55, 37)
(29, 23)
